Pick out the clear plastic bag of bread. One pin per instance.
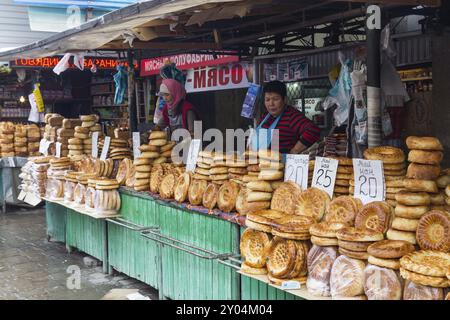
(382, 283)
(415, 291)
(55, 189)
(69, 188)
(79, 194)
(89, 198)
(106, 201)
(347, 277)
(320, 261)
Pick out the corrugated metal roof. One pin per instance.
(100, 4)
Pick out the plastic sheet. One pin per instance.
(382, 283)
(347, 277)
(320, 262)
(414, 291)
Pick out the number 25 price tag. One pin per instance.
(296, 169)
(194, 149)
(324, 178)
(369, 180)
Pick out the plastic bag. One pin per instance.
(79, 194)
(320, 262)
(69, 188)
(89, 198)
(55, 189)
(386, 124)
(78, 60)
(106, 201)
(121, 82)
(414, 291)
(62, 65)
(341, 94)
(347, 277)
(158, 116)
(382, 284)
(38, 97)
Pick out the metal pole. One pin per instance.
(373, 30)
(132, 113)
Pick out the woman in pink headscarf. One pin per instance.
(177, 112)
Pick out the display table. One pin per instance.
(9, 180)
(179, 249)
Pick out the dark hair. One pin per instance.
(276, 87)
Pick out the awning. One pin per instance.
(99, 4)
(165, 26)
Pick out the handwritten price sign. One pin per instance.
(369, 180)
(324, 178)
(296, 169)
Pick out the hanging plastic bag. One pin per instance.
(38, 97)
(341, 94)
(121, 82)
(62, 65)
(170, 71)
(158, 116)
(78, 60)
(386, 123)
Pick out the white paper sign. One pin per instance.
(136, 145)
(43, 146)
(11, 162)
(194, 149)
(324, 178)
(290, 285)
(58, 149)
(32, 199)
(369, 180)
(95, 145)
(21, 195)
(296, 169)
(105, 148)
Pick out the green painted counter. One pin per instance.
(56, 215)
(87, 234)
(128, 251)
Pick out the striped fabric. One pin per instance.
(293, 127)
(96, 4)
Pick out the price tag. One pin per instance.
(136, 145)
(21, 195)
(324, 177)
(369, 180)
(296, 169)
(105, 148)
(11, 162)
(290, 285)
(95, 145)
(58, 149)
(32, 199)
(194, 149)
(43, 147)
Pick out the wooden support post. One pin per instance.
(132, 110)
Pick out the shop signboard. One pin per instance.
(151, 67)
(51, 62)
(231, 76)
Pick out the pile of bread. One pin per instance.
(159, 148)
(350, 257)
(344, 184)
(34, 175)
(19, 140)
(56, 177)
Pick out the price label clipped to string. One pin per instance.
(194, 149)
(58, 149)
(136, 145)
(369, 180)
(105, 148)
(95, 145)
(296, 169)
(324, 178)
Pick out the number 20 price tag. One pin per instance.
(296, 169)
(369, 180)
(324, 178)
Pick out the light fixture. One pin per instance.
(22, 99)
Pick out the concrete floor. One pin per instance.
(32, 268)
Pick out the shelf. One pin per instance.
(102, 94)
(302, 292)
(416, 79)
(102, 82)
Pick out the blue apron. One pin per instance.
(262, 138)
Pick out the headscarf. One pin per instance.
(177, 91)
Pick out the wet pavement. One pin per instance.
(32, 268)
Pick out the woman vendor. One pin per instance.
(296, 132)
(177, 112)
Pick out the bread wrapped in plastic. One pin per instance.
(89, 198)
(382, 283)
(79, 193)
(320, 261)
(347, 277)
(415, 291)
(69, 188)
